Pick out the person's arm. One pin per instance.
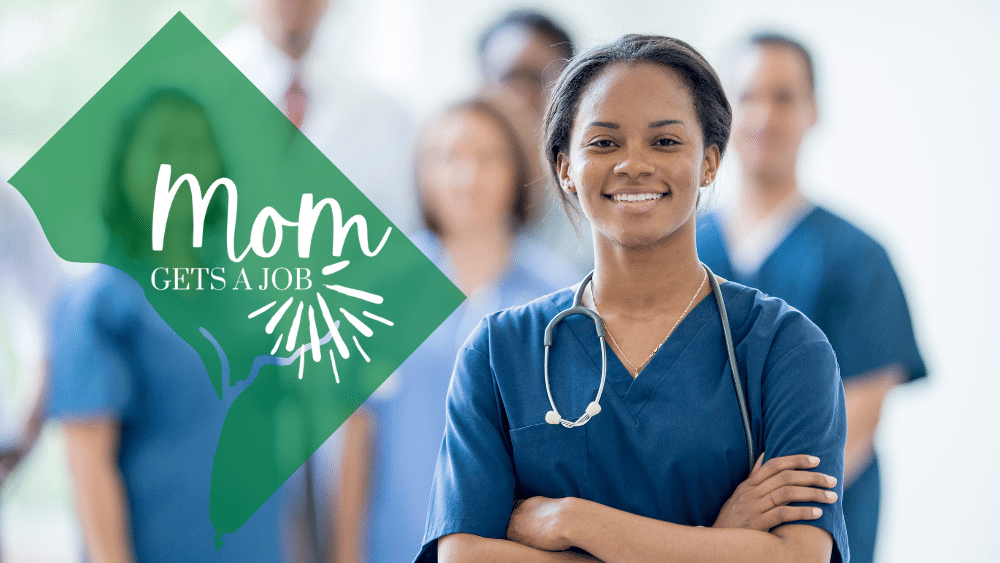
(352, 502)
(865, 395)
(100, 491)
(760, 503)
(10, 459)
(615, 536)
(469, 548)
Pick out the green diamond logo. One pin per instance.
(297, 293)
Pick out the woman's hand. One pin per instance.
(538, 522)
(761, 502)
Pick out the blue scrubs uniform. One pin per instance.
(843, 281)
(409, 415)
(668, 444)
(114, 358)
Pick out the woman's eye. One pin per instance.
(665, 142)
(603, 143)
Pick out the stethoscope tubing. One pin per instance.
(553, 416)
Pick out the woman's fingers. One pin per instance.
(785, 514)
(776, 465)
(791, 478)
(790, 494)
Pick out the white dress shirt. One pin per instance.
(363, 132)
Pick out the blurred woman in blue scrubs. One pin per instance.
(475, 163)
(141, 418)
(778, 241)
(634, 131)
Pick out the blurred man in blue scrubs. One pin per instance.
(778, 241)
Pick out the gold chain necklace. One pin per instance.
(671, 331)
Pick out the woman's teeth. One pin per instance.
(636, 197)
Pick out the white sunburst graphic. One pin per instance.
(333, 333)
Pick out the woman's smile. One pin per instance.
(637, 202)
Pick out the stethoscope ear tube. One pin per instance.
(737, 385)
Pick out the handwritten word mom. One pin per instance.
(308, 216)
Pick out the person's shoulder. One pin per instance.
(103, 294)
(844, 233)
(763, 321)
(519, 325)
(543, 268)
(428, 243)
(243, 43)
(339, 81)
(710, 220)
(777, 338)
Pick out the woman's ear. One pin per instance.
(710, 166)
(562, 168)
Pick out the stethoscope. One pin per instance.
(553, 416)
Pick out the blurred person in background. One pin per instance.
(776, 240)
(523, 53)
(31, 276)
(362, 131)
(30, 279)
(140, 415)
(473, 164)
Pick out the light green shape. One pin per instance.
(279, 419)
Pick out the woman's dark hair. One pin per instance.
(710, 103)
(535, 21)
(775, 39)
(517, 134)
(125, 223)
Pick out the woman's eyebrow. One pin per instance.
(606, 124)
(663, 122)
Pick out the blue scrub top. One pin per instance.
(668, 444)
(843, 280)
(409, 413)
(114, 358)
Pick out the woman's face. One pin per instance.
(636, 155)
(175, 134)
(467, 171)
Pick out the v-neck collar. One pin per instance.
(634, 392)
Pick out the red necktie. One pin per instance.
(295, 102)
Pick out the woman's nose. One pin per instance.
(634, 164)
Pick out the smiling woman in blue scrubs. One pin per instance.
(634, 130)
(819, 263)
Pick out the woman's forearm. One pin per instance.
(100, 491)
(468, 548)
(615, 536)
(351, 506)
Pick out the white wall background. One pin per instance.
(906, 146)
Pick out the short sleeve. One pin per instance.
(91, 336)
(473, 488)
(804, 413)
(874, 330)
